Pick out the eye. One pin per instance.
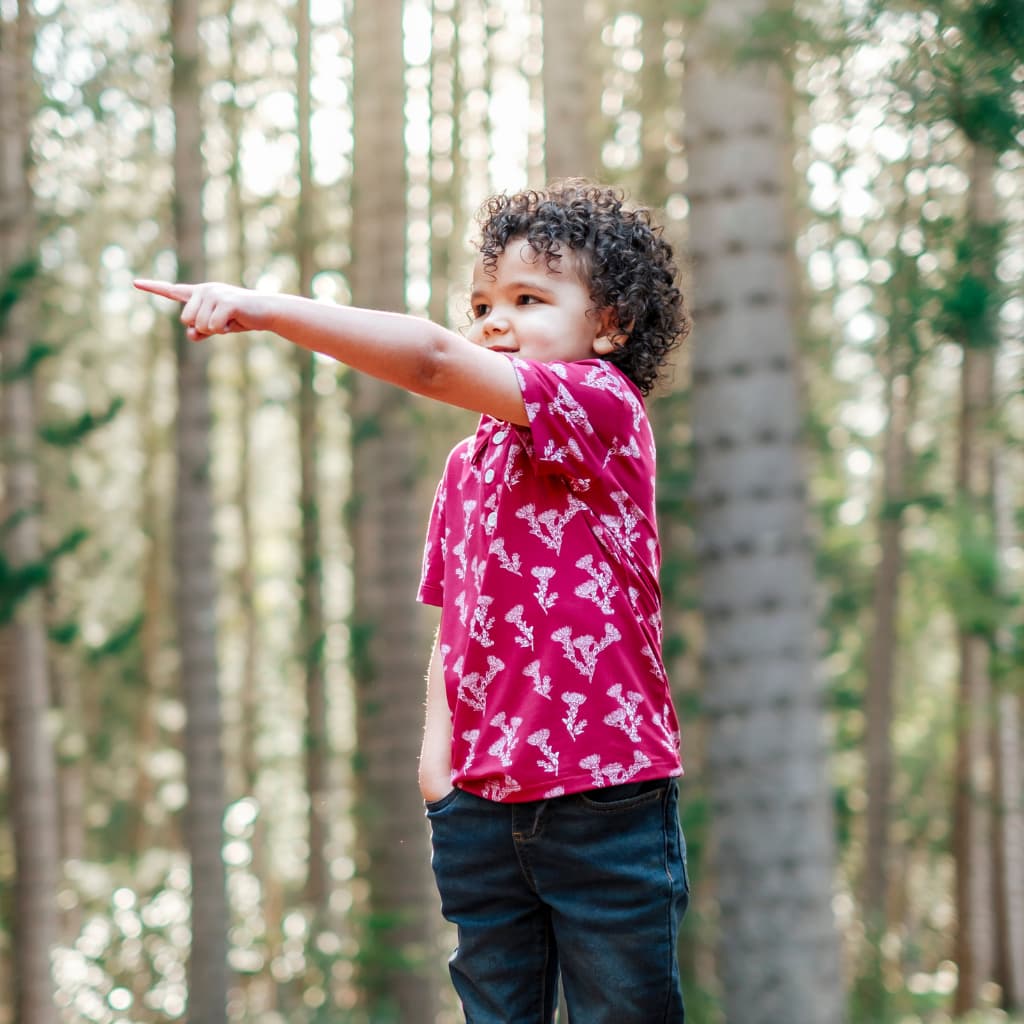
(527, 300)
(479, 309)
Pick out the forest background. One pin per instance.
(211, 655)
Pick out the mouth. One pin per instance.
(503, 348)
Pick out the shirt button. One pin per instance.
(499, 437)
(489, 476)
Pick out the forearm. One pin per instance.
(407, 351)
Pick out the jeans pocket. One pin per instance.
(624, 796)
(435, 806)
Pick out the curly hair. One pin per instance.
(623, 259)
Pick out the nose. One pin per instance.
(495, 323)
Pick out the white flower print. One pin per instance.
(572, 722)
(502, 749)
(624, 528)
(614, 774)
(583, 651)
(541, 683)
(625, 717)
(650, 655)
(599, 588)
(549, 759)
(549, 527)
(570, 410)
(601, 378)
(470, 736)
(499, 791)
(481, 624)
(669, 736)
(553, 454)
(543, 575)
(473, 688)
(510, 563)
(525, 631)
(629, 450)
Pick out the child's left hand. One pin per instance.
(213, 308)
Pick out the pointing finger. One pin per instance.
(167, 290)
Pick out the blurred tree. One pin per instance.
(968, 62)
(898, 366)
(766, 755)
(193, 554)
(972, 809)
(388, 633)
(311, 627)
(34, 811)
(571, 95)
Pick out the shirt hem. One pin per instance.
(578, 784)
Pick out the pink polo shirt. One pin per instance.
(542, 551)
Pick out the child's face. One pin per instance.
(535, 312)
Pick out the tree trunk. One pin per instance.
(972, 807)
(26, 691)
(389, 637)
(196, 603)
(311, 629)
(882, 654)
(767, 756)
(570, 92)
(1008, 757)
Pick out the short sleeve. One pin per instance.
(578, 413)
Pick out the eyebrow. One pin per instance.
(519, 285)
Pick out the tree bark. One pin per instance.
(390, 642)
(196, 600)
(570, 91)
(974, 944)
(878, 708)
(26, 686)
(311, 629)
(767, 755)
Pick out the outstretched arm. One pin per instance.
(409, 352)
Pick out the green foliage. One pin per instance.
(973, 577)
(66, 435)
(17, 582)
(964, 65)
(124, 639)
(972, 296)
(14, 285)
(34, 355)
(772, 34)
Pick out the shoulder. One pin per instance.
(592, 387)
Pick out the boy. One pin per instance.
(550, 751)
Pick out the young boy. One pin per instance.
(551, 748)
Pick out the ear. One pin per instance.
(610, 336)
(608, 343)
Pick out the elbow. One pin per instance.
(435, 368)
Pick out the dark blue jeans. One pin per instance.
(592, 886)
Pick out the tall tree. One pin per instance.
(312, 617)
(195, 598)
(900, 357)
(972, 806)
(389, 637)
(571, 100)
(33, 807)
(767, 758)
(971, 56)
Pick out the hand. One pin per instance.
(213, 308)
